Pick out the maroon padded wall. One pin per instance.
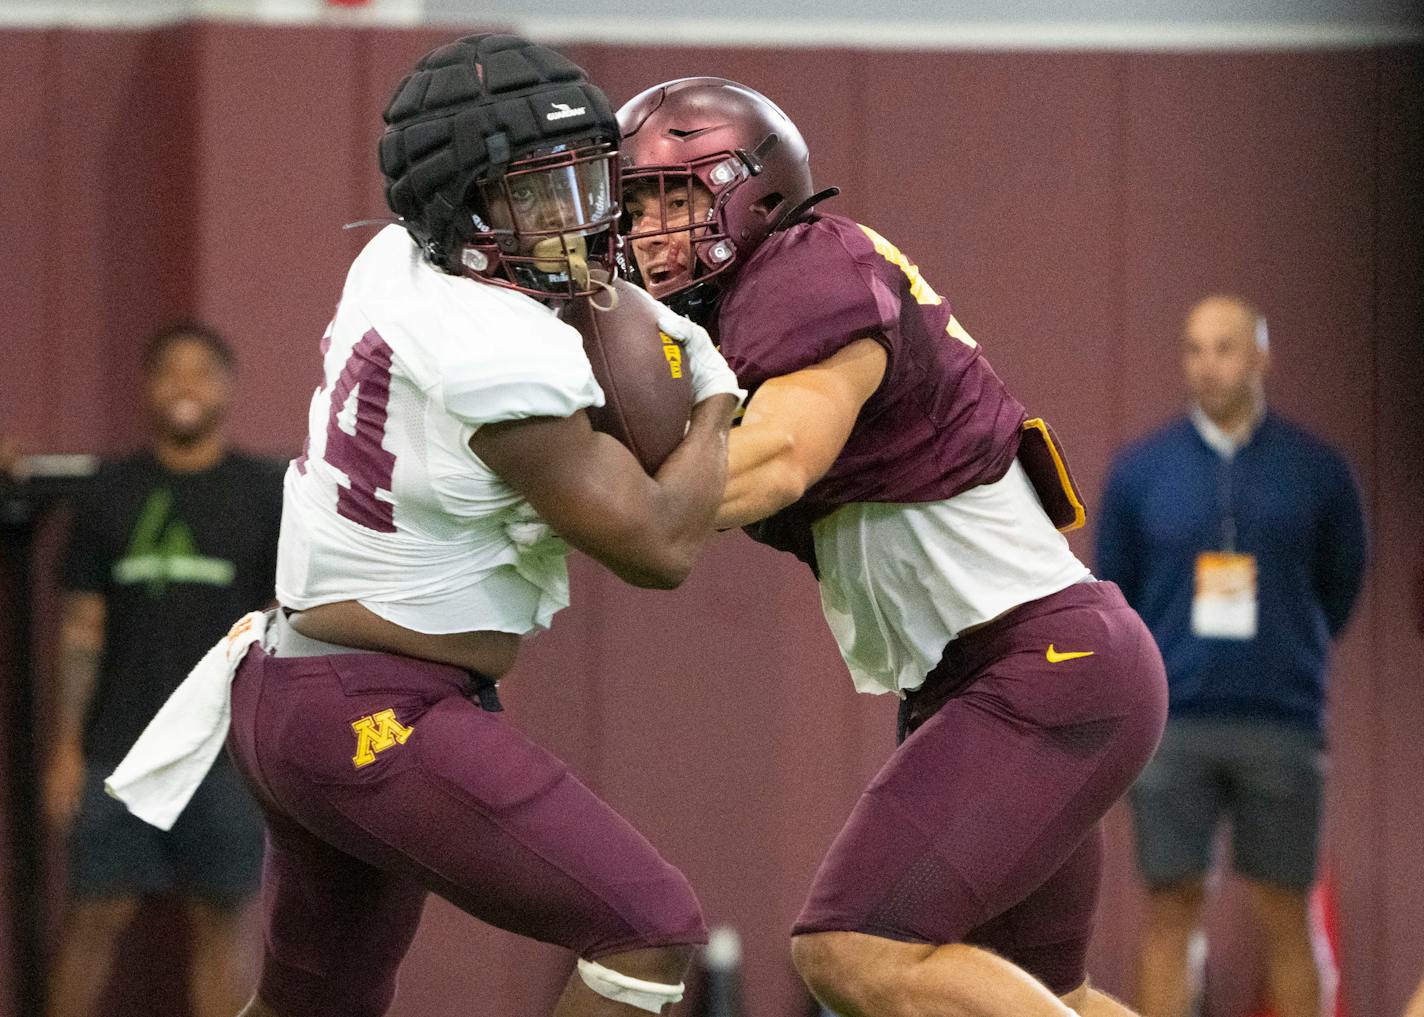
(1070, 206)
(1386, 913)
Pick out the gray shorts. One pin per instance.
(1264, 778)
(213, 852)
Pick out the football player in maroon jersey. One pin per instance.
(881, 449)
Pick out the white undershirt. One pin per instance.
(1220, 442)
(899, 581)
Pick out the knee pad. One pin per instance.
(621, 988)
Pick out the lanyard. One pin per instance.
(1226, 504)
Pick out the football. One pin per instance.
(645, 378)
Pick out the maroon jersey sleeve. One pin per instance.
(940, 422)
(808, 292)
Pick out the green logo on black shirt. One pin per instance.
(161, 551)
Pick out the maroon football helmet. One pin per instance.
(733, 141)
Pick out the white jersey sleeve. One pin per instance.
(544, 374)
(388, 505)
(489, 354)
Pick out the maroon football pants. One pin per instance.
(381, 782)
(983, 827)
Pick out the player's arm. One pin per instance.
(81, 642)
(793, 429)
(592, 492)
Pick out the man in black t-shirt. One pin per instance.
(167, 549)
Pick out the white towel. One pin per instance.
(164, 767)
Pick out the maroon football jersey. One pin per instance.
(941, 421)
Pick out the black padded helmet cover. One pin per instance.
(467, 111)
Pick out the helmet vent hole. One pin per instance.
(766, 205)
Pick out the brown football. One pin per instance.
(644, 375)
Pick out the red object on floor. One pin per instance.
(348, 3)
(1330, 928)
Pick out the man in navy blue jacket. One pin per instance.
(1239, 539)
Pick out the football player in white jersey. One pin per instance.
(449, 464)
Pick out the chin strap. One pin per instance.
(608, 291)
(795, 214)
(699, 302)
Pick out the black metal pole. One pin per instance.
(19, 519)
(53, 480)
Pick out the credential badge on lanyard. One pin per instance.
(1224, 606)
(1224, 603)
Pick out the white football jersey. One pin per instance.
(387, 504)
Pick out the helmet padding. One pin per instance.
(467, 111)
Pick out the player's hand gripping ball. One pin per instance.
(644, 373)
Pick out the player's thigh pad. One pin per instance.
(336, 928)
(1060, 914)
(385, 759)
